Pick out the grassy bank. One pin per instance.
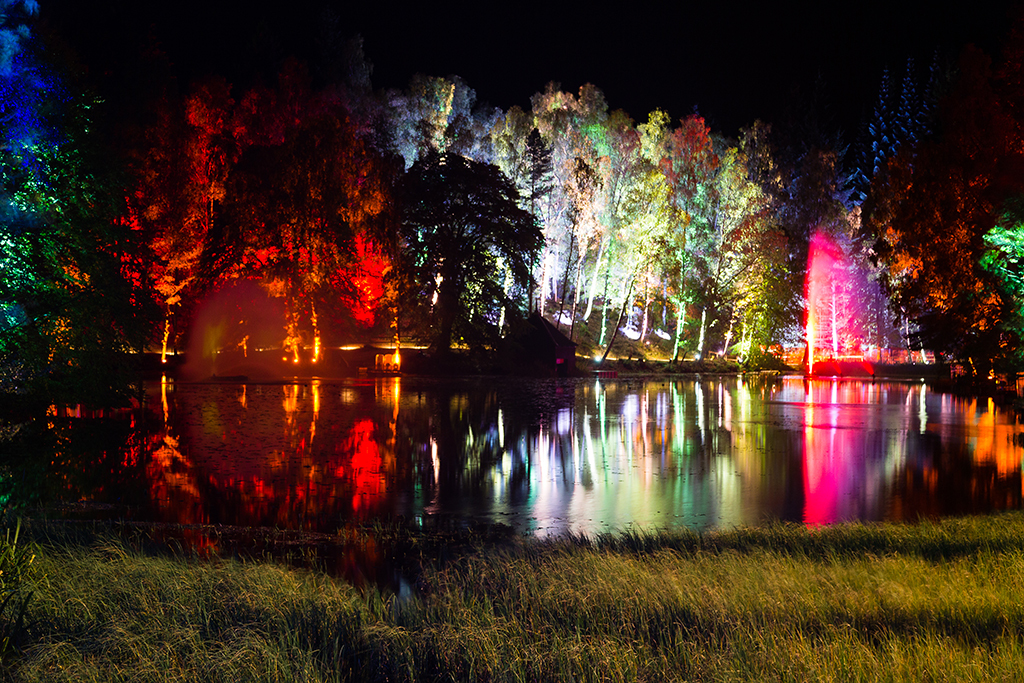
(934, 601)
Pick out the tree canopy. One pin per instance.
(75, 298)
(466, 245)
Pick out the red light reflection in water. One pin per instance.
(846, 424)
(272, 455)
(365, 465)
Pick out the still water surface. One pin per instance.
(550, 457)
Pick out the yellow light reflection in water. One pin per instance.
(163, 397)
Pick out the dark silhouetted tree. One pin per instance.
(466, 246)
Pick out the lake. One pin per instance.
(550, 457)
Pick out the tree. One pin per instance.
(462, 231)
(180, 180)
(572, 127)
(440, 114)
(690, 166)
(298, 205)
(931, 210)
(1005, 259)
(73, 296)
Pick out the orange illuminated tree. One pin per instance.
(931, 208)
(180, 182)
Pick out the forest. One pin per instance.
(336, 213)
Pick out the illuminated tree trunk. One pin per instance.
(703, 327)
(565, 280)
(604, 304)
(618, 322)
(506, 284)
(647, 310)
(680, 319)
(576, 298)
(292, 338)
(728, 338)
(167, 334)
(544, 283)
(316, 334)
(593, 279)
(745, 337)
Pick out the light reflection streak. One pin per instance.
(699, 396)
(922, 408)
(163, 397)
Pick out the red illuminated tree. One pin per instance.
(305, 186)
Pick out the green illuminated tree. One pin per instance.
(1005, 259)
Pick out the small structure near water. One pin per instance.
(387, 363)
(550, 347)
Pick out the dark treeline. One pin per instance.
(361, 213)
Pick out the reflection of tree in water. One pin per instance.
(75, 457)
(471, 440)
(296, 456)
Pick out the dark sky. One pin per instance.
(732, 64)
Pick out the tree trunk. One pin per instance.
(647, 310)
(576, 298)
(680, 319)
(703, 328)
(593, 279)
(565, 280)
(167, 334)
(604, 305)
(618, 322)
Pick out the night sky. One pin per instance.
(731, 65)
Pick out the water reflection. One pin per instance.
(562, 456)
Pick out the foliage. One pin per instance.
(73, 295)
(180, 179)
(16, 560)
(466, 244)
(658, 229)
(304, 188)
(931, 209)
(1005, 259)
(278, 187)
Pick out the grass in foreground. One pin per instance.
(933, 601)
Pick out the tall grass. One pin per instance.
(930, 601)
(15, 565)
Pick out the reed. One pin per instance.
(890, 602)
